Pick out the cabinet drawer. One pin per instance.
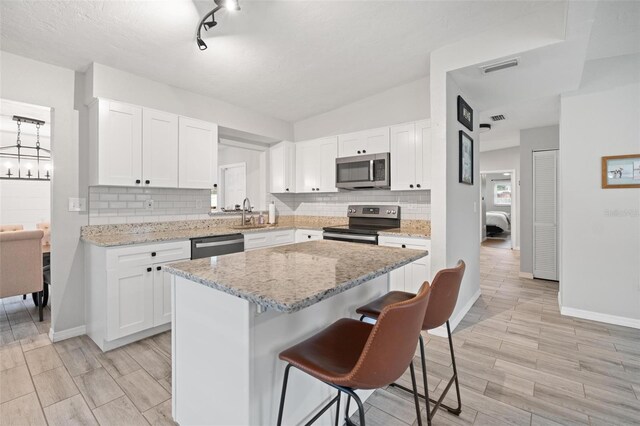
(268, 239)
(146, 254)
(303, 235)
(405, 242)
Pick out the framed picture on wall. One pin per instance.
(621, 171)
(465, 114)
(465, 159)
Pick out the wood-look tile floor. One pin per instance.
(519, 362)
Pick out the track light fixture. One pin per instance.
(231, 5)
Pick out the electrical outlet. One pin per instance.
(77, 204)
(148, 204)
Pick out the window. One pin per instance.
(502, 194)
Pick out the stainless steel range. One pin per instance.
(365, 221)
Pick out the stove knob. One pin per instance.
(393, 212)
(388, 211)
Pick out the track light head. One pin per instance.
(231, 5)
(209, 24)
(201, 44)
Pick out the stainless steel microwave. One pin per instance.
(363, 172)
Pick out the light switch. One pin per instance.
(77, 204)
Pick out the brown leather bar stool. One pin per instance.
(350, 354)
(444, 295)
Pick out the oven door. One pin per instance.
(351, 238)
(363, 171)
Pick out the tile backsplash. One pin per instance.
(415, 205)
(116, 204)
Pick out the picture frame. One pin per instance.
(621, 171)
(465, 160)
(465, 114)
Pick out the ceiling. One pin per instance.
(616, 29)
(286, 59)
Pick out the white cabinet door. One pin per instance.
(119, 144)
(423, 154)
(161, 295)
(410, 277)
(304, 235)
(306, 167)
(282, 160)
(129, 301)
(377, 141)
(198, 154)
(159, 149)
(351, 144)
(418, 273)
(326, 160)
(403, 162)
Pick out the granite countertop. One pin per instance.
(290, 278)
(407, 232)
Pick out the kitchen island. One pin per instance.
(233, 314)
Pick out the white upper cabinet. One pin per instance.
(411, 156)
(116, 144)
(282, 168)
(159, 149)
(316, 165)
(373, 141)
(198, 154)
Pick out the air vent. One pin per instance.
(498, 117)
(486, 69)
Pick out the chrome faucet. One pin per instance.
(246, 208)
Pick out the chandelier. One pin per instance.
(24, 162)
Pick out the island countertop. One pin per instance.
(292, 277)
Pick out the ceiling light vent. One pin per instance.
(498, 117)
(486, 69)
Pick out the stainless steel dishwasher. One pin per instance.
(216, 245)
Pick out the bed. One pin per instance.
(498, 222)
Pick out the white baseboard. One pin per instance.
(528, 275)
(597, 316)
(57, 336)
(453, 322)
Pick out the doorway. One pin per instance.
(498, 215)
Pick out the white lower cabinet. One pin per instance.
(410, 277)
(128, 294)
(256, 240)
(303, 235)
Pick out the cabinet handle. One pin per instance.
(364, 151)
(153, 254)
(137, 180)
(358, 152)
(158, 268)
(215, 185)
(411, 186)
(317, 189)
(309, 236)
(418, 185)
(149, 269)
(313, 189)
(147, 182)
(404, 246)
(287, 189)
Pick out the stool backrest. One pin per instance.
(444, 295)
(392, 343)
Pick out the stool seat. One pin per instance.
(331, 354)
(374, 308)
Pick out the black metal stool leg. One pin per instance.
(457, 410)
(284, 392)
(338, 409)
(424, 380)
(416, 399)
(40, 303)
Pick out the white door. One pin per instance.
(119, 144)
(351, 144)
(130, 301)
(377, 141)
(403, 157)
(545, 215)
(198, 154)
(161, 295)
(423, 154)
(306, 167)
(159, 149)
(326, 165)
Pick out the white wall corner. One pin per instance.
(527, 275)
(56, 336)
(457, 318)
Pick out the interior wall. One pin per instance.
(600, 233)
(536, 139)
(37, 83)
(256, 170)
(506, 159)
(119, 85)
(401, 104)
